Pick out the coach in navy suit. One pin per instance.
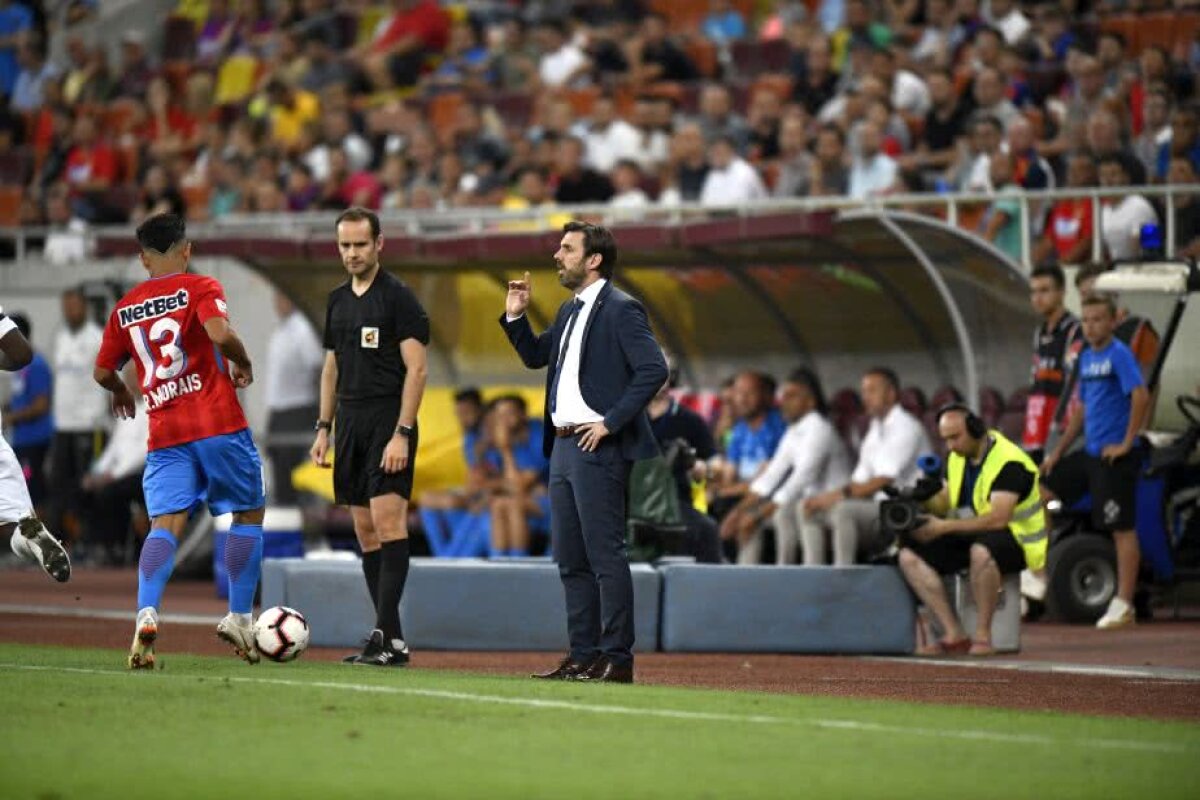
(605, 367)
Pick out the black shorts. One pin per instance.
(360, 434)
(1113, 487)
(951, 553)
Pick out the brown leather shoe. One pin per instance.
(567, 670)
(605, 671)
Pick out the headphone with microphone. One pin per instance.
(976, 427)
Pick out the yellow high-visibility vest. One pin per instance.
(1028, 523)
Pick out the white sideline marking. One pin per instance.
(103, 613)
(1171, 674)
(663, 713)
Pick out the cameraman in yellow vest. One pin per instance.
(988, 519)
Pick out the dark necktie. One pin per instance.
(562, 352)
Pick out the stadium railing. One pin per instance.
(454, 221)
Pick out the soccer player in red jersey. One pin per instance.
(189, 362)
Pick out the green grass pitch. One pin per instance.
(75, 725)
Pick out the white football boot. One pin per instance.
(33, 543)
(141, 652)
(240, 635)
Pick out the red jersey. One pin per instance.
(185, 381)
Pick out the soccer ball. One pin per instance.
(281, 633)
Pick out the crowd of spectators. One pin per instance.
(298, 105)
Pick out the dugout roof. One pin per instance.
(840, 291)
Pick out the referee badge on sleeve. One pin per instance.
(370, 338)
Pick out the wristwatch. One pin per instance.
(323, 425)
(404, 430)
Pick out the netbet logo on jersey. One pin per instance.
(153, 307)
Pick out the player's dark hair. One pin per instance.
(597, 240)
(1053, 272)
(161, 232)
(516, 400)
(1088, 272)
(469, 395)
(808, 379)
(888, 374)
(22, 323)
(360, 214)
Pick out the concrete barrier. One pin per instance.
(449, 605)
(710, 608)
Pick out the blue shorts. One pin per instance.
(223, 470)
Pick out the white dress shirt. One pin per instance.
(569, 407)
(1121, 225)
(811, 456)
(872, 176)
(891, 448)
(294, 360)
(80, 405)
(606, 147)
(736, 184)
(125, 453)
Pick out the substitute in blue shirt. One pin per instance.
(30, 416)
(520, 503)
(1114, 402)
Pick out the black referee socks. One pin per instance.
(370, 568)
(393, 572)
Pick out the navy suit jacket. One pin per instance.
(621, 366)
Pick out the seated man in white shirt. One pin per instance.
(811, 459)
(888, 456)
(730, 180)
(113, 482)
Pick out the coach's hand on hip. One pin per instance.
(518, 297)
(592, 433)
(395, 455)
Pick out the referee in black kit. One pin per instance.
(374, 375)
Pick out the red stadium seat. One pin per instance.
(912, 399)
(15, 167)
(703, 54)
(196, 198)
(179, 38)
(944, 396)
(991, 404)
(10, 205)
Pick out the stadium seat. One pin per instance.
(196, 198)
(118, 118)
(1012, 424)
(991, 404)
(179, 38)
(583, 99)
(912, 399)
(15, 167)
(1018, 400)
(703, 54)
(10, 205)
(944, 396)
(443, 111)
(753, 58)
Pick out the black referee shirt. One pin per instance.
(365, 335)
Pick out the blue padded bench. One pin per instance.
(449, 605)
(709, 608)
